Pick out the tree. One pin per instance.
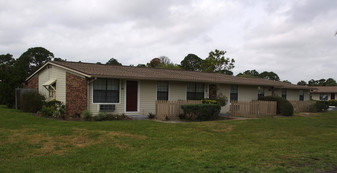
(165, 60)
(59, 59)
(169, 66)
(312, 82)
(330, 82)
(113, 61)
(302, 82)
(249, 73)
(269, 75)
(321, 82)
(191, 62)
(286, 81)
(33, 59)
(6, 77)
(216, 62)
(141, 65)
(154, 62)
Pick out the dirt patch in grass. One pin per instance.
(44, 144)
(225, 129)
(218, 127)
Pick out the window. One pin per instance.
(52, 90)
(284, 93)
(234, 93)
(50, 85)
(260, 92)
(195, 91)
(162, 90)
(301, 97)
(106, 91)
(323, 96)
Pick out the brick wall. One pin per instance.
(76, 92)
(33, 83)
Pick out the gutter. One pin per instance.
(88, 91)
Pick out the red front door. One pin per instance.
(131, 96)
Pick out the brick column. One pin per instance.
(76, 94)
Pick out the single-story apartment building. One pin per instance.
(324, 93)
(134, 90)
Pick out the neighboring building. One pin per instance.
(324, 93)
(134, 90)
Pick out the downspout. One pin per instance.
(88, 91)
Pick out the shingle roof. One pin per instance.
(128, 72)
(325, 89)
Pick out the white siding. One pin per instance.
(44, 76)
(60, 75)
(177, 91)
(225, 91)
(315, 96)
(247, 93)
(148, 98)
(293, 94)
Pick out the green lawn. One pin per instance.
(283, 144)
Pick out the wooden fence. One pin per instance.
(302, 106)
(253, 108)
(171, 109)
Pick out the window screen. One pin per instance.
(234, 92)
(301, 95)
(284, 93)
(106, 91)
(162, 90)
(260, 92)
(195, 91)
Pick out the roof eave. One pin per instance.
(63, 67)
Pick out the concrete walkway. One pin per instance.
(138, 117)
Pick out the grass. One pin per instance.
(286, 144)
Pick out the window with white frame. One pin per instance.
(301, 95)
(195, 91)
(284, 93)
(162, 90)
(106, 91)
(260, 92)
(323, 96)
(234, 93)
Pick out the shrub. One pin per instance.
(320, 106)
(47, 111)
(102, 116)
(31, 102)
(201, 111)
(209, 101)
(333, 102)
(54, 108)
(151, 116)
(86, 115)
(284, 107)
(220, 100)
(53, 102)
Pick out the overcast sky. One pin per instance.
(295, 38)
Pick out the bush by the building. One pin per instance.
(201, 112)
(284, 107)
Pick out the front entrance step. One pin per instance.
(138, 117)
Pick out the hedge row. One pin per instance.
(201, 112)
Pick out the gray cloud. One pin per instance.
(294, 39)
